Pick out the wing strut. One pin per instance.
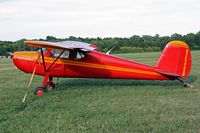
(55, 60)
(43, 60)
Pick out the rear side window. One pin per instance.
(79, 55)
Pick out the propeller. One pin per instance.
(29, 84)
(32, 75)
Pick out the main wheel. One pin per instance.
(39, 91)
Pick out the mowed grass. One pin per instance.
(100, 105)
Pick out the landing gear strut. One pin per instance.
(185, 84)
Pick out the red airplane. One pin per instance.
(81, 60)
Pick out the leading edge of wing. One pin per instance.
(61, 45)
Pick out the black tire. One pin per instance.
(39, 91)
(49, 86)
(53, 85)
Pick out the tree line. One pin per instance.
(134, 43)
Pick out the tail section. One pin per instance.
(175, 60)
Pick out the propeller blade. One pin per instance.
(30, 81)
(24, 97)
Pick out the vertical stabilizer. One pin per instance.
(175, 59)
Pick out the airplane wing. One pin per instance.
(61, 45)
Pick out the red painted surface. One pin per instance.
(174, 61)
(40, 93)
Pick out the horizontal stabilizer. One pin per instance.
(165, 72)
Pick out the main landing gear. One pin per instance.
(46, 86)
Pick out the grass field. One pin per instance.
(98, 105)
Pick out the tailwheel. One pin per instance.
(185, 84)
(39, 91)
(49, 86)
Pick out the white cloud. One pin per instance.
(92, 18)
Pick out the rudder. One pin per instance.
(175, 59)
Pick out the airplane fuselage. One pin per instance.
(93, 65)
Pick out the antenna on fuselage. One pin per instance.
(108, 53)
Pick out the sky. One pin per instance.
(34, 19)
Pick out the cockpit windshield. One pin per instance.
(43, 50)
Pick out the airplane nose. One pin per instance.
(14, 55)
(25, 60)
(15, 60)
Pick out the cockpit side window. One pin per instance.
(76, 54)
(65, 54)
(68, 54)
(55, 53)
